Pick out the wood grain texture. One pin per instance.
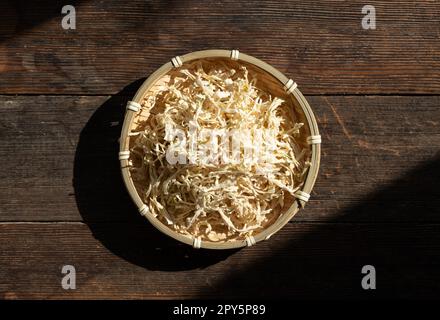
(376, 200)
(320, 44)
(59, 159)
(302, 261)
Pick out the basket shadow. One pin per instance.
(105, 205)
(396, 229)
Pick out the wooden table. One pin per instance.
(375, 94)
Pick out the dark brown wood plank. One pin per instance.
(320, 44)
(303, 260)
(380, 157)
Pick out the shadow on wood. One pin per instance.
(325, 260)
(106, 207)
(20, 15)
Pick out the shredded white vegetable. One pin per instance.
(217, 201)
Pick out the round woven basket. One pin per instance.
(273, 81)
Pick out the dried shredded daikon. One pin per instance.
(214, 200)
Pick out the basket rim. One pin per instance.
(289, 86)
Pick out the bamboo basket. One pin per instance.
(274, 81)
